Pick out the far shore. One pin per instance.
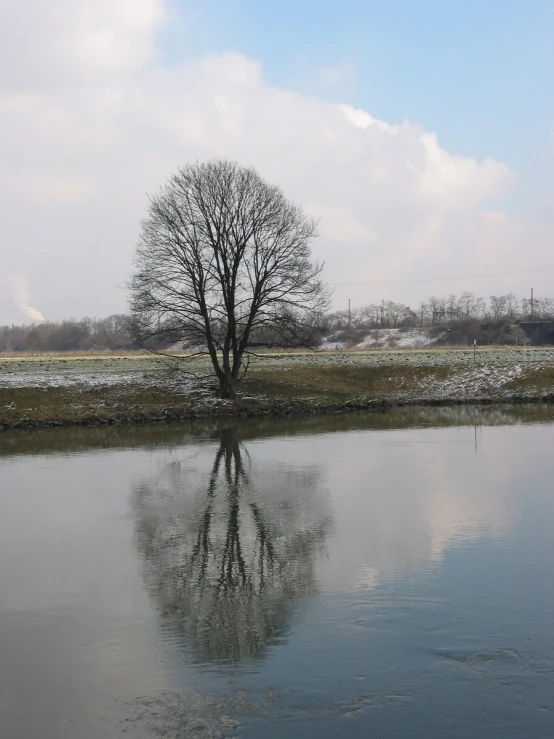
(86, 390)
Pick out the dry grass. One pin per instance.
(337, 383)
(541, 378)
(45, 405)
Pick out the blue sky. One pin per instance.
(479, 73)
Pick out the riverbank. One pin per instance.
(134, 389)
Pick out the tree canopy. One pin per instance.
(224, 263)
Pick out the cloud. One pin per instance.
(69, 40)
(362, 119)
(341, 224)
(92, 120)
(21, 296)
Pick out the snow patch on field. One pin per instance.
(90, 380)
(398, 338)
(387, 338)
(332, 346)
(428, 357)
(475, 382)
(70, 379)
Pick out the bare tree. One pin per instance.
(471, 306)
(511, 305)
(224, 261)
(452, 307)
(438, 309)
(423, 313)
(497, 306)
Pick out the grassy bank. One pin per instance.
(45, 391)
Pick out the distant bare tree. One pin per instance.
(511, 305)
(224, 262)
(33, 339)
(548, 307)
(452, 307)
(542, 308)
(497, 306)
(423, 313)
(471, 306)
(438, 309)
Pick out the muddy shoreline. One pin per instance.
(271, 409)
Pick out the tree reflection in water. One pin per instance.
(226, 563)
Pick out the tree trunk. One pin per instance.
(229, 373)
(227, 385)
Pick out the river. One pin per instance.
(376, 575)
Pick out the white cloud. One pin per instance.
(362, 119)
(91, 122)
(44, 41)
(341, 224)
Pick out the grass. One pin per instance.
(337, 384)
(328, 385)
(540, 378)
(133, 361)
(296, 383)
(65, 405)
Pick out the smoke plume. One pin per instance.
(21, 295)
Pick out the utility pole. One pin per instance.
(532, 309)
(382, 312)
(349, 314)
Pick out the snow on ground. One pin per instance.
(469, 374)
(87, 373)
(430, 357)
(70, 379)
(396, 338)
(332, 346)
(387, 338)
(475, 382)
(79, 381)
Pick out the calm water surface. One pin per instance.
(373, 576)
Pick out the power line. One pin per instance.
(445, 279)
(369, 282)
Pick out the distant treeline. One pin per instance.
(114, 332)
(444, 312)
(73, 335)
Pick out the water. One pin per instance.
(386, 575)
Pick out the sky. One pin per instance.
(420, 134)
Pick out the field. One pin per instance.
(43, 390)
